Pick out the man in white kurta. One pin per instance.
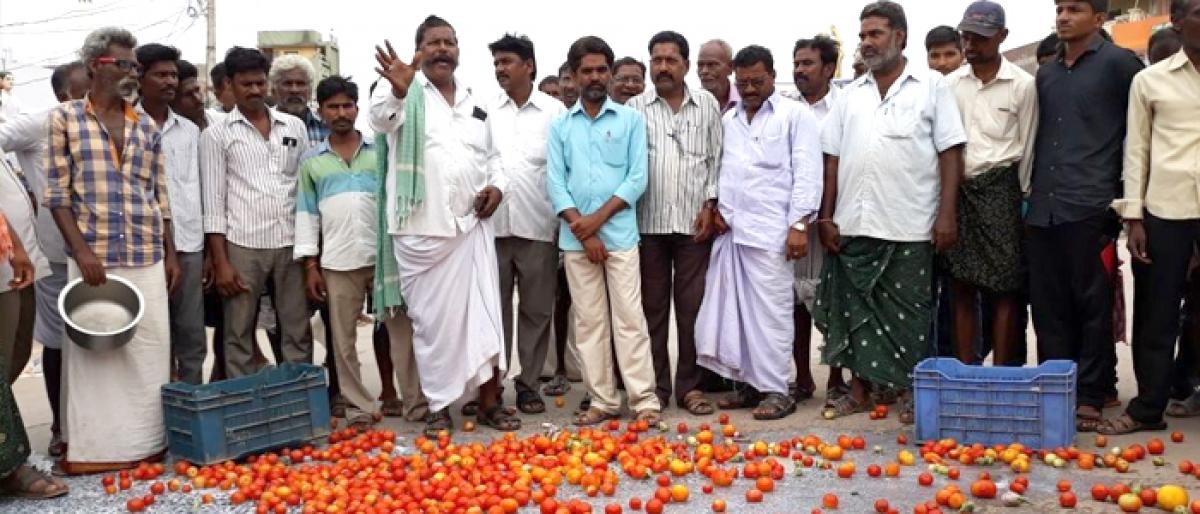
(444, 248)
(769, 187)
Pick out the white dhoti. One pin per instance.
(114, 404)
(452, 289)
(744, 330)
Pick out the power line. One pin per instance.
(175, 15)
(71, 14)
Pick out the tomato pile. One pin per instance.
(363, 473)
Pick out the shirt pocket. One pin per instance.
(772, 151)
(474, 136)
(898, 121)
(535, 150)
(999, 122)
(614, 150)
(691, 140)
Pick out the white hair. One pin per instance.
(96, 44)
(725, 47)
(289, 62)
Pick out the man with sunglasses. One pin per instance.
(107, 191)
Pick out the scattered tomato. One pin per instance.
(1067, 500)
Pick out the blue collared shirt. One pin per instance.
(593, 160)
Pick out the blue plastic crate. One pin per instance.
(996, 405)
(278, 406)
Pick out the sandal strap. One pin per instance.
(27, 476)
(777, 402)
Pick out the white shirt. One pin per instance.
(212, 116)
(18, 208)
(249, 182)
(518, 152)
(25, 136)
(10, 107)
(685, 151)
(181, 153)
(888, 182)
(820, 108)
(456, 159)
(1000, 119)
(771, 172)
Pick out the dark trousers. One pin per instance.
(1071, 292)
(52, 376)
(1158, 288)
(943, 336)
(673, 266)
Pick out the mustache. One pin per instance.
(440, 59)
(294, 99)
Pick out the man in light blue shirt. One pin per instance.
(597, 161)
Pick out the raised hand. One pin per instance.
(399, 74)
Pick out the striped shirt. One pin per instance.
(249, 182)
(685, 153)
(180, 144)
(118, 196)
(317, 131)
(335, 204)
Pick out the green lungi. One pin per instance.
(874, 306)
(14, 443)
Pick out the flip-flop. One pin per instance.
(25, 478)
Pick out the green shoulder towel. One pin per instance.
(408, 176)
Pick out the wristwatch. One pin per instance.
(799, 226)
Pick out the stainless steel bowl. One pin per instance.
(115, 290)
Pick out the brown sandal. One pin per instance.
(652, 417)
(697, 404)
(1124, 424)
(593, 416)
(845, 406)
(392, 408)
(28, 482)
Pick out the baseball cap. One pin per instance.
(983, 17)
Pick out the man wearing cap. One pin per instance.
(1083, 95)
(998, 103)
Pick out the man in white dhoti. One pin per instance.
(107, 190)
(769, 188)
(439, 198)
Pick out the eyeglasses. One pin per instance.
(757, 83)
(124, 64)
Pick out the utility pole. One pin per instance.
(210, 49)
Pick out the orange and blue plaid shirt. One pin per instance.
(118, 196)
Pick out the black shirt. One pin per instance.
(1078, 150)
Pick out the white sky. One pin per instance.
(552, 25)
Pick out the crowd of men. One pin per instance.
(911, 211)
